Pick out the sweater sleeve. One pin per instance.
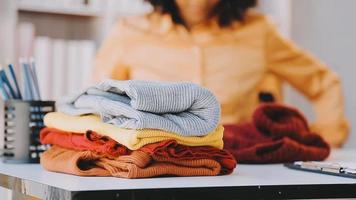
(271, 84)
(109, 59)
(313, 79)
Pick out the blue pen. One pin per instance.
(26, 81)
(32, 68)
(34, 78)
(31, 83)
(13, 75)
(6, 84)
(4, 95)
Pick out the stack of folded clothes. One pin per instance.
(277, 134)
(137, 129)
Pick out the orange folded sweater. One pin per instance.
(138, 164)
(81, 163)
(174, 151)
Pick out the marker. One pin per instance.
(4, 94)
(26, 81)
(34, 78)
(13, 75)
(6, 84)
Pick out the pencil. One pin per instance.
(13, 75)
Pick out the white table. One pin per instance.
(249, 181)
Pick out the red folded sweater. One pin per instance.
(82, 142)
(174, 151)
(277, 134)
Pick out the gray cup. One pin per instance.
(21, 122)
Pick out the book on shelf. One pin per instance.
(60, 68)
(88, 50)
(86, 7)
(74, 73)
(64, 66)
(25, 39)
(43, 58)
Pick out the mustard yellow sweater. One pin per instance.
(132, 139)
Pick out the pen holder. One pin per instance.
(21, 124)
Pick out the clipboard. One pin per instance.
(333, 169)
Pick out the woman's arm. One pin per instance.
(312, 78)
(108, 61)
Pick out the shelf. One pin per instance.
(79, 11)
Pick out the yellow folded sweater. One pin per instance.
(132, 139)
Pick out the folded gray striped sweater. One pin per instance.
(182, 108)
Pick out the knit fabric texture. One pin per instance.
(278, 134)
(132, 139)
(107, 147)
(90, 141)
(186, 109)
(81, 163)
(171, 149)
(136, 165)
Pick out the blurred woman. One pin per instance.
(225, 46)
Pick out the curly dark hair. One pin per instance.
(226, 10)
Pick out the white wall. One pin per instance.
(280, 12)
(327, 28)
